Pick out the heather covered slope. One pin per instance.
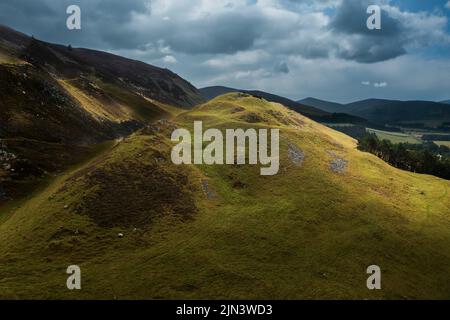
(63, 94)
(226, 231)
(57, 100)
(67, 63)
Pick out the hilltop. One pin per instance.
(311, 112)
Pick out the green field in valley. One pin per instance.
(395, 137)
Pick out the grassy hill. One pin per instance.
(309, 111)
(215, 91)
(225, 231)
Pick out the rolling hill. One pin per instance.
(226, 232)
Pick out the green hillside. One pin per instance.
(226, 231)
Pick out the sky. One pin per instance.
(296, 49)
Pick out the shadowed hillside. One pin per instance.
(322, 104)
(67, 98)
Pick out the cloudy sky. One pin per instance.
(300, 48)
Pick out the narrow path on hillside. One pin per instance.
(99, 150)
(8, 209)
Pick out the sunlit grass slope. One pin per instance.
(110, 102)
(226, 231)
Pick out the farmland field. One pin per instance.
(443, 143)
(394, 137)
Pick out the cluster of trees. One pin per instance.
(359, 131)
(421, 158)
(356, 132)
(436, 137)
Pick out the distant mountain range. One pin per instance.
(314, 112)
(390, 112)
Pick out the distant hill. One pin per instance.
(210, 93)
(312, 112)
(445, 101)
(323, 105)
(390, 112)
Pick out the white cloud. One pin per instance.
(169, 60)
(365, 83)
(239, 59)
(447, 5)
(380, 84)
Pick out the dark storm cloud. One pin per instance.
(281, 67)
(351, 18)
(364, 51)
(107, 24)
(225, 33)
(103, 21)
(224, 29)
(118, 11)
(369, 46)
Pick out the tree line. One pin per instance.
(425, 158)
